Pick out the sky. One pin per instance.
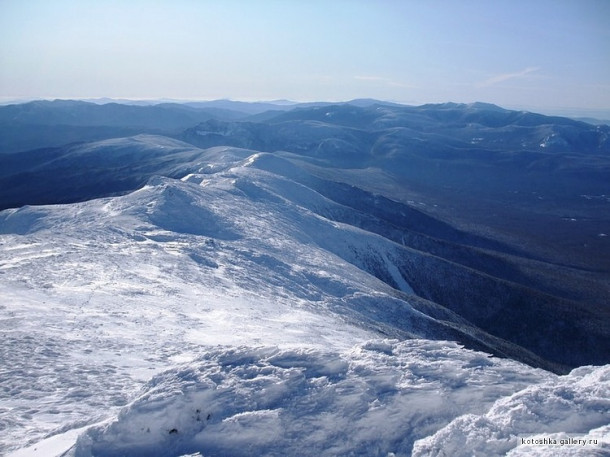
(531, 54)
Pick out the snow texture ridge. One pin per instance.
(374, 399)
(562, 416)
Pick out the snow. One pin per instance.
(224, 314)
(396, 275)
(372, 399)
(538, 420)
(56, 445)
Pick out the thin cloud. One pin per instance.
(507, 76)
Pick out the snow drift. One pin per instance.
(374, 399)
(568, 415)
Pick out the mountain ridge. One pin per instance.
(378, 263)
(254, 176)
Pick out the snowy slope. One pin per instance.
(499, 287)
(99, 297)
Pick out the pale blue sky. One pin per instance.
(516, 53)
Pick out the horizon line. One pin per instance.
(567, 111)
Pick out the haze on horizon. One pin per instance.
(544, 55)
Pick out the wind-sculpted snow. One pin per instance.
(371, 400)
(566, 415)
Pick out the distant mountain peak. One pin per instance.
(485, 106)
(473, 105)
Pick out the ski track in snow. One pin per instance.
(224, 282)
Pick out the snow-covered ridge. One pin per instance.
(238, 249)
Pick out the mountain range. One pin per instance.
(349, 256)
